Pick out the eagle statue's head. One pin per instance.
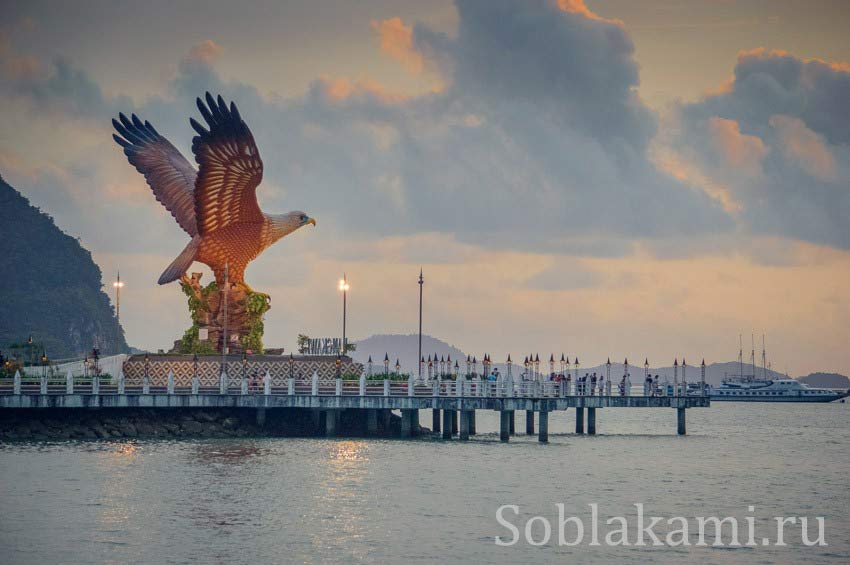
(285, 224)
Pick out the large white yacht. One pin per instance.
(772, 390)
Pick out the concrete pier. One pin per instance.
(472, 422)
(409, 422)
(680, 413)
(591, 421)
(261, 417)
(543, 435)
(504, 425)
(579, 420)
(331, 422)
(447, 424)
(372, 421)
(464, 424)
(435, 420)
(512, 422)
(529, 422)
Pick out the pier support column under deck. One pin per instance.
(680, 413)
(316, 418)
(529, 422)
(372, 421)
(504, 425)
(261, 417)
(407, 422)
(331, 422)
(447, 424)
(591, 421)
(464, 424)
(472, 422)
(454, 421)
(435, 420)
(543, 432)
(512, 422)
(579, 420)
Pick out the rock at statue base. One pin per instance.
(245, 311)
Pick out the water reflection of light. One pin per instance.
(128, 450)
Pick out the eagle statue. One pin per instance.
(215, 204)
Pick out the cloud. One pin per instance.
(777, 140)
(396, 40)
(205, 52)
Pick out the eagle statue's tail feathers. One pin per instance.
(179, 266)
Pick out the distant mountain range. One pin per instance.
(405, 348)
(50, 288)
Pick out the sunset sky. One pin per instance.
(603, 178)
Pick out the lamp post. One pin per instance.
(468, 364)
(397, 367)
(575, 365)
(43, 364)
(244, 365)
(510, 363)
(343, 286)
(292, 361)
(474, 366)
(442, 366)
(95, 353)
(685, 377)
(537, 367)
(195, 365)
(422, 366)
(118, 285)
(645, 368)
(563, 365)
(702, 378)
(551, 365)
(608, 370)
(386, 365)
(30, 346)
(525, 365)
(338, 366)
(430, 368)
(421, 282)
(369, 362)
(457, 370)
(147, 362)
(486, 365)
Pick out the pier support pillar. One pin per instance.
(543, 435)
(407, 422)
(372, 421)
(464, 424)
(579, 420)
(454, 422)
(261, 417)
(447, 424)
(472, 422)
(680, 413)
(316, 418)
(331, 422)
(435, 420)
(529, 422)
(591, 421)
(414, 422)
(504, 425)
(512, 422)
(385, 419)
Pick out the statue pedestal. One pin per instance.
(245, 310)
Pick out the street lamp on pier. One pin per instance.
(292, 361)
(537, 367)
(564, 362)
(369, 362)
(118, 284)
(575, 365)
(474, 366)
(343, 286)
(386, 365)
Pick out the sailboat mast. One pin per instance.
(741, 356)
(763, 358)
(753, 355)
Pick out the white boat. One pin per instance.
(771, 390)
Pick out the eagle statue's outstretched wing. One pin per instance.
(230, 168)
(169, 174)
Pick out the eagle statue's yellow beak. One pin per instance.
(312, 221)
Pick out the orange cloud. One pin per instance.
(397, 41)
(342, 88)
(739, 150)
(579, 7)
(805, 146)
(763, 52)
(205, 52)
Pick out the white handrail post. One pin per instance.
(121, 381)
(315, 387)
(459, 386)
(362, 385)
(146, 385)
(43, 387)
(95, 385)
(243, 388)
(411, 389)
(17, 385)
(290, 386)
(386, 387)
(196, 385)
(222, 383)
(170, 383)
(69, 382)
(267, 383)
(338, 386)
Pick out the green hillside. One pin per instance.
(50, 288)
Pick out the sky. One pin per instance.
(599, 178)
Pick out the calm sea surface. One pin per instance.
(300, 500)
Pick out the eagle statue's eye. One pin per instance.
(303, 218)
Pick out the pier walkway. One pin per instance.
(453, 403)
